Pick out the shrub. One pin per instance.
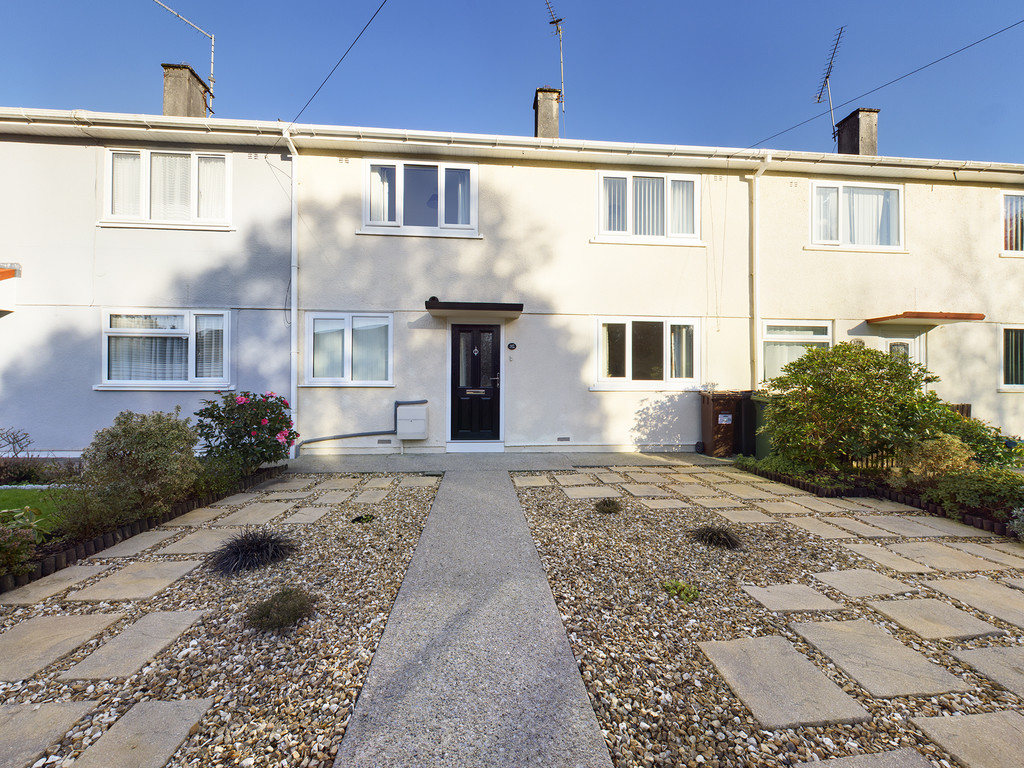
(832, 407)
(218, 475)
(1016, 521)
(681, 590)
(926, 461)
(16, 546)
(992, 491)
(717, 536)
(365, 518)
(608, 506)
(989, 445)
(282, 609)
(141, 464)
(252, 548)
(29, 519)
(253, 429)
(79, 513)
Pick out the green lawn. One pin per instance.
(18, 498)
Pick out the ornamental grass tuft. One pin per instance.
(282, 609)
(608, 506)
(717, 536)
(250, 549)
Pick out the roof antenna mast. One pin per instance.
(556, 21)
(201, 31)
(825, 86)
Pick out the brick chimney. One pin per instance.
(857, 133)
(545, 109)
(185, 93)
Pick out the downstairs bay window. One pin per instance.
(166, 349)
(349, 349)
(646, 353)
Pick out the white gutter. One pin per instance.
(755, 273)
(293, 283)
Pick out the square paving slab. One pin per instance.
(716, 502)
(781, 687)
(683, 477)
(1010, 547)
(612, 478)
(816, 504)
(26, 730)
(899, 525)
(861, 582)
(333, 497)
(1004, 665)
(646, 477)
(378, 482)
(305, 516)
(775, 489)
(694, 491)
(531, 481)
(32, 645)
(338, 484)
(127, 652)
(744, 491)
(1015, 583)
(198, 542)
(878, 661)
(418, 481)
(858, 528)
(665, 504)
(644, 490)
(287, 495)
(888, 559)
(136, 581)
(784, 507)
(374, 496)
(991, 740)
(577, 479)
(943, 558)
(235, 500)
(256, 514)
(590, 492)
(899, 758)
(886, 505)
(989, 553)
(286, 484)
(48, 586)
(136, 544)
(850, 504)
(146, 735)
(934, 619)
(194, 518)
(791, 598)
(987, 596)
(818, 528)
(746, 516)
(947, 527)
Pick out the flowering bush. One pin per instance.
(253, 429)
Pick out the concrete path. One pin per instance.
(474, 668)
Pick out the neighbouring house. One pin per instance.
(539, 293)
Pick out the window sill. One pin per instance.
(454, 234)
(184, 225)
(1009, 390)
(654, 386)
(674, 242)
(855, 249)
(175, 387)
(347, 384)
(1011, 254)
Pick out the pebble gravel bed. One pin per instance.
(279, 699)
(658, 699)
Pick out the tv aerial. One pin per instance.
(556, 22)
(201, 31)
(826, 88)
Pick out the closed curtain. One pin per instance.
(613, 213)
(456, 196)
(648, 206)
(209, 346)
(681, 352)
(328, 348)
(382, 193)
(147, 358)
(682, 207)
(369, 349)
(212, 188)
(126, 183)
(780, 353)
(872, 215)
(1013, 226)
(170, 188)
(826, 214)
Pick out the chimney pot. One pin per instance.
(185, 93)
(545, 108)
(857, 133)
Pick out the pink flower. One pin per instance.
(285, 403)
(282, 436)
(271, 394)
(264, 422)
(241, 400)
(253, 433)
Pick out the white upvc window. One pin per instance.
(167, 188)
(420, 198)
(349, 349)
(166, 348)
(647, 353)
(866, 216)
(1012, 368)
(648, 207)
(787, 340)
(1013, 223)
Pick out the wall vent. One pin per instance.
(564, 439)
(386, 441)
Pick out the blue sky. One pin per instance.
(665, 71)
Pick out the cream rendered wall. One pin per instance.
(73, 268)
(536, 225)
(949, 262)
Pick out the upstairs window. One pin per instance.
(174, 188)
(649, 207)
(857, 215)
(1013, 222)
(166, 348)
(646, 353)
(420, 199)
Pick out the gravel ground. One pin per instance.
(657, 697)
(281, 700)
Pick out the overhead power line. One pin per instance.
(891, 82)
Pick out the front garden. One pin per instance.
(851, 420)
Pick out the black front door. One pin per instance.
(476, 382)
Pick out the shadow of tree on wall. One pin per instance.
(665, 421)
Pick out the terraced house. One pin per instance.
(538, 293)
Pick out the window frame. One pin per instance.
(346, 380)
(1003, 386)
(398, 227)
(193, 382)
(1011, 252)
(843, 241)
(809, 338)
(144, 219)
(669, 383)
(616, 236)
